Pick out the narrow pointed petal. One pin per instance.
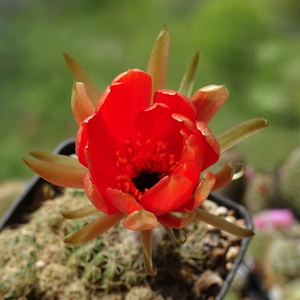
(57, 174)
(94, 229)
(80, 213)
(240, 132)
(208, 100)
(140, 220)
(172, 236)
(187, 82)
(222, 224)
(158, 62)
(170, 220)
(57, 159)
(146, 238)
(80, 75)
(81, 104)
(224, 176)
(240, 173)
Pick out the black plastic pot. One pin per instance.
(24, 203)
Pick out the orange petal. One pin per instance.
(81, 75)
(94, 229)
(96, 198)
(146, 237)
(80, 213)
(240, 132)
(57, 174)
(208, 101)
(81, 104)
(57, 159)
(222, 224)
(170, 220)
(158, 62)
(224, 176)
(140, 220)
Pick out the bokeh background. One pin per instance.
(252, 46)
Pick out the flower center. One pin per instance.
(146, 180)
(140, 171)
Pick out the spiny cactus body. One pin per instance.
(289, 179)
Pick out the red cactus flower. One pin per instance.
(142, 150)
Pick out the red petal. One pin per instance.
(170, 220)
(139, 88)
(208, 101)
(176, 102)
(212, 152)
(194, 149)
(96, 198)
(81, 143)
(167, 195)
(155, 125)
(189, 169)
(124, 202)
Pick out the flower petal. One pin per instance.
(80, 212)
(167, 195)
(57, 159)
(172, 221)
(158, 62)
(124, 202)
(222, 224)
(224, 176)
(81, 104)
(94, 229)
(212, 149)
(96, 198)
(146, 238)
(139, 90)
(240, 132)
(202, 191)
(187, 82)
(177, 103)
(80, 75)
(140, 220)
(156, 124)
(208, 100)
(58, 174)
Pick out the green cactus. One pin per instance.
(281, 263)
(261, 192)
(289, 178)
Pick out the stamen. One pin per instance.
(140, 170)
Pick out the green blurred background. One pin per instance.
(250, 45)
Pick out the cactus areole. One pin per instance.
(142, 151)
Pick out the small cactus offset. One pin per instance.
(282, 263)
(289, 178)
(261, 192)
